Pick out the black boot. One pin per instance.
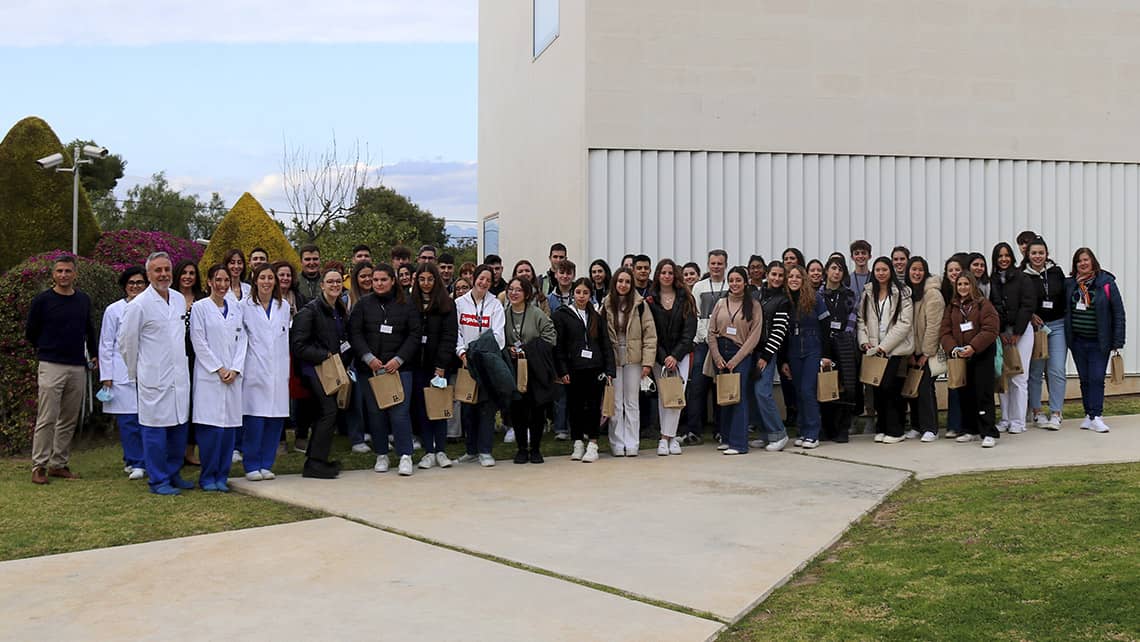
(521, 457)
(316, 469)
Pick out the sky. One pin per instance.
(212, 92)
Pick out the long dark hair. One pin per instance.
(197, 290)
(994, 258)
(438, 300)
(608, 272)
(746, 295)
(398, 291)
(892, 284)
(916, 291)
(796, 251)
(683, 296)
(231, 253)
(985, 278)
(355, 292)
(949, 289)
(619, 304)
(276, 294)
(591, 314)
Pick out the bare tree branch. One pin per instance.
(321, 188)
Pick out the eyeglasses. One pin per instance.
(136, 284)
(514, 290)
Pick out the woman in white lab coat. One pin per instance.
(119, 393)
(265, 380)
(219, 347)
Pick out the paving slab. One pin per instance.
(1036, 448)
(326, 579)
(712, 533)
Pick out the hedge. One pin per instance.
(123, 248)
(245, 227)
(35, 204)
(18, 286)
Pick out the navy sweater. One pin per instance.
(59, 326)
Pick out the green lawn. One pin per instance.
(1051, 554)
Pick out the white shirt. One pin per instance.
(477, 318)
(124, 399)
(265, 380)
(219, 342)
(152, 342)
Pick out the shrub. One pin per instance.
(123, 248)
(245, 227)
(35, 205)
(18, 286)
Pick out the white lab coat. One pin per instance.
(152, 341)
(245, 290)
(124, 397)
(219, 342)
(265, 380)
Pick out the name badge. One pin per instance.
(730, 331)
(344, 346)
(423, 339)
(967, 326)
(385, 328)
(836, 325)
(823, 315)
(1046, 305)
(1082, 307)
(587, 354)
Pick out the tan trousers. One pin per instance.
(60, 400)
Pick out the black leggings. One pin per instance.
(530, 419)
(890, 407)
(584, 404)
(320, 444)
(977, 398)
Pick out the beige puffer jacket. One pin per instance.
(928, 317)
(898, 340)
(640, 333)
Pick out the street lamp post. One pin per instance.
(55, 160)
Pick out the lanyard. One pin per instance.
(966, 310)
(479, 311)
(732, 315)
(518, 327)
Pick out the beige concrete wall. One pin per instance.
(1045, 79)
(532, 154)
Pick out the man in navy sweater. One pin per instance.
(59, 326)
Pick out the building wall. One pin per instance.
(532, 156)
(1016, 79)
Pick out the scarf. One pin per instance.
(1083, 288)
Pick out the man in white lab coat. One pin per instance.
(152, 340)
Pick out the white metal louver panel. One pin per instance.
(681, 204)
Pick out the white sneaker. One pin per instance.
(1098, 425)
(776, 446)
(267, 474)
(966, 438)
(618, 451)
(878, 437)
(912, 434)
(361, 448)
(989, 442)
(1041, 419)
(722, 446)
(127, 469)
(887, 439)
(758, 443)
(730, 451)
(367, 438)
(467, 458)
(929, 436)
(381, 464)
(1054, 423)
(591, 453)
(416, 445)
(561, 436)
(798, 442)
(675, 446)
(662, 448)
(811, 443)
(1086, 423)
(579, 450)
(951, 434)
(442, 460)
(631, 452)
(254, 475)
(509, 438)
(1016, 429)
(236, 458)
(1003, 426)
(137, 473)
(486, 461)
(427, 461)
(405, 468)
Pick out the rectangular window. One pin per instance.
(491, 235)
(545, 24)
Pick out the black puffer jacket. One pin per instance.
(316, 332)
(441, 329)
(1049, 286)
(675, 330)
(366, 324)
(572, 340)
(1015, 299)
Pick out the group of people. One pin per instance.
(229, 365)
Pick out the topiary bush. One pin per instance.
(35, 204)
(18, 286)
(123, 248)
(245, 227)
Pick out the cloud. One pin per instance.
(133, 23)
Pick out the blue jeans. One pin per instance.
(697, 391)
(805, 379)
(734, 418)
(357, 415)
(478, 426)
(397, 419)
(1091, 366)
(953, 411)
(763, 395)
(130, 435)
(433, 432)
(1052, 369)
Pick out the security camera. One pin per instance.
(48, 162)
(95, 151)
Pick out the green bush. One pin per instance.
(18, 286)
(35, 204)
(245, 227)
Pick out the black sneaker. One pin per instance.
(319, 470)
(536, 457)
(693, 439)
(521, 457)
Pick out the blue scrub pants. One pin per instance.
(215, 449)
(261, 438)
(130, 436)
(163, 452)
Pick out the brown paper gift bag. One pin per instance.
(728, 389)
(827, 386)
(1011, 362)
(344, 395)
(672, 390)
(387, 389)
(521, 375)
(332, 374)
(1040, 345)
(609, 404)
(913, 381)
(465, 389)
(955, 373)
(1001, 385)
(1116, 367)
(873, 369)
(439, 402)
